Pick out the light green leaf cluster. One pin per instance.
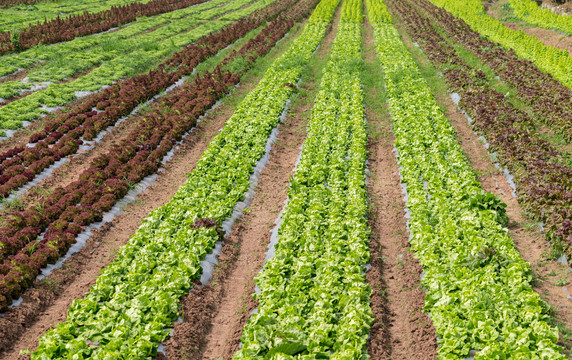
(12, 88)
(530, 12)
(313, 300)
(548, 59)
(134, 300)
(478, 287)
(115, 56)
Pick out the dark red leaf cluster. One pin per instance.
(6, 44)
(205, 223)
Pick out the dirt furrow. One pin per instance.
(401, 330)
(46, 304)
(215, 314)
(551, 278)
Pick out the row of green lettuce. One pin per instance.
(113, 61)
(135, 299)
(18, 17)
(548, 59)
(313, 300)
(479, 292)
(529, 11)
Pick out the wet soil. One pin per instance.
(401, 330)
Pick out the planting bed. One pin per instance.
(263, 179)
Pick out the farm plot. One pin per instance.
(542, 173)
(178, 111)
(313, 297)
(16, 17)
(69, 209)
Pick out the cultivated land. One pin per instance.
(285, 179)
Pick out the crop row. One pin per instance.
(541, 172)
(131, 57)
(530, 12)
(68, 28)
(549, 59)
(313, 299)
(135, 298)
(550, 101)
(65, 213)
(63, 134)
(479, 294)
(241, 12)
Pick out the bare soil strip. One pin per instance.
(401, 330)
(47, 303)
(215, 314)
(552, 279)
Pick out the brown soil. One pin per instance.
(47, 303)
(401, 330)
(548, 36)
(22, 95)
(565, 8)
(20, 74)
(220, 309)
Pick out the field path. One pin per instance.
(401, 330)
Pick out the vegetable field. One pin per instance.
(285, 179)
